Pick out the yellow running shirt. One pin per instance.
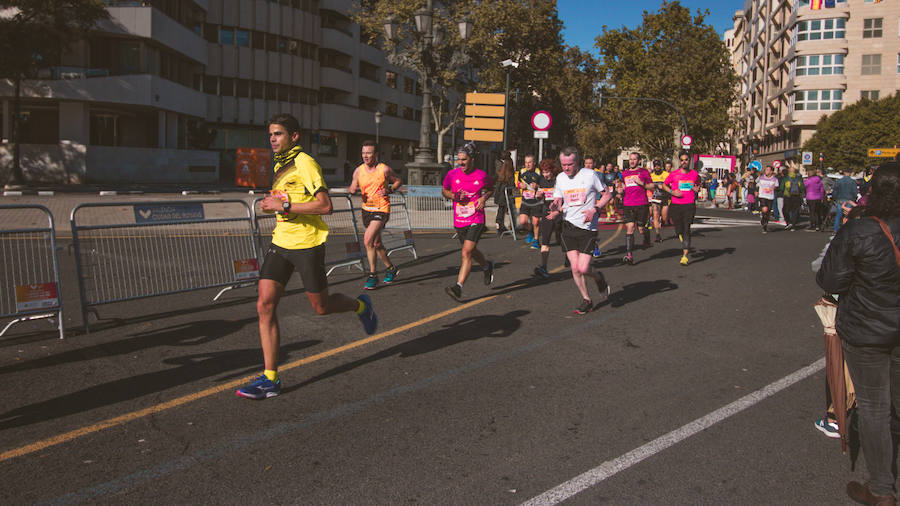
(369, 184)
(298, 182)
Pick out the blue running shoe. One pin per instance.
(535, 245)
(390, 274)
(368, 317)
(371, 282)
(596, 251)
(529, 238)
(260, 388)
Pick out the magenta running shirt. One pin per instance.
(635, 193)
(473, 185)
(678, 180)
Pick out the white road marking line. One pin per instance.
(609, 468)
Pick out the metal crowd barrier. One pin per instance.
(344, 248)
(127, 251)
(512, 211)
(29, 267)
(428, 209)
(397, 235)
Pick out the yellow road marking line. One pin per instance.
(134, 415)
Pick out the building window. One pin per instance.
(390, 79)
(226, 36)
(818, 100)
(821, 29)
(396, 151)
(408, 113)
(816, 64)
(242, 88)
(872, 28)
(871, 64)
(409, 85)
(868, 94)
(256, 89)
(898, 63)
(258, 39)
(390, 109)
(242, 38)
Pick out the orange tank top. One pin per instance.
(369, 184)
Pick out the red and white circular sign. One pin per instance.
(541, 120)
(686, 140)
(776, 164)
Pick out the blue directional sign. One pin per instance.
(755, 164)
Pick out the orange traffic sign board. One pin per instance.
(485, 123)
(883, 152)
(485, 114)
(486, 98)
(483, 135)
(491, 111)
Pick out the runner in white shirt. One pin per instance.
(576, 196)
(765, 190)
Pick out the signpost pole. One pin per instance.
(540, 149)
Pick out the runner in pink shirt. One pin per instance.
(683, 184)
(469, 188)
(637, 181)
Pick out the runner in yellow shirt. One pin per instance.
(300, 198)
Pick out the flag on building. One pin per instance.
(815, 4)
(829, 4)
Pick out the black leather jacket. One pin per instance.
(860, 266)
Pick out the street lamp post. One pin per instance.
(424, 169)
(507, 64)
(377, 124)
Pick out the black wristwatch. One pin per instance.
(286, 207)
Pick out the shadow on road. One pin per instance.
(189, 368)
(188, 334)
(467, 329)
(636, 291)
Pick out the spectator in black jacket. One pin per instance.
(862, 268)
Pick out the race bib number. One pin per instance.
(528, 194)
(767, 192)
(548, 193)
(632, 181)
(575, 196)
(685, 185)
(465, 210)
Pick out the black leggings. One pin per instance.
(682, 215)
(792, 209)
(816, 213)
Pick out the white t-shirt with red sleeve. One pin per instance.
(686, 182)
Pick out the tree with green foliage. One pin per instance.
(549, 76)
(34, 34)
(673, 56)
(846, 135)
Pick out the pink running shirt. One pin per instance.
(473, 185)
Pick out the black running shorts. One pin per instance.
(637, 214)
(370, 216)
(547, 229)
(578, 239)
(765, 203)
(536, 211)
(279, 263)
(470, 233)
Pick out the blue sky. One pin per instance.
(583, 19)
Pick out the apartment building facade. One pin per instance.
(166, 90)
(797, 64)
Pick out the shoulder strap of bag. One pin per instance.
(890, 237)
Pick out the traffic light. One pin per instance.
(754, 147)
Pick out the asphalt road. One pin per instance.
(495, 400)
